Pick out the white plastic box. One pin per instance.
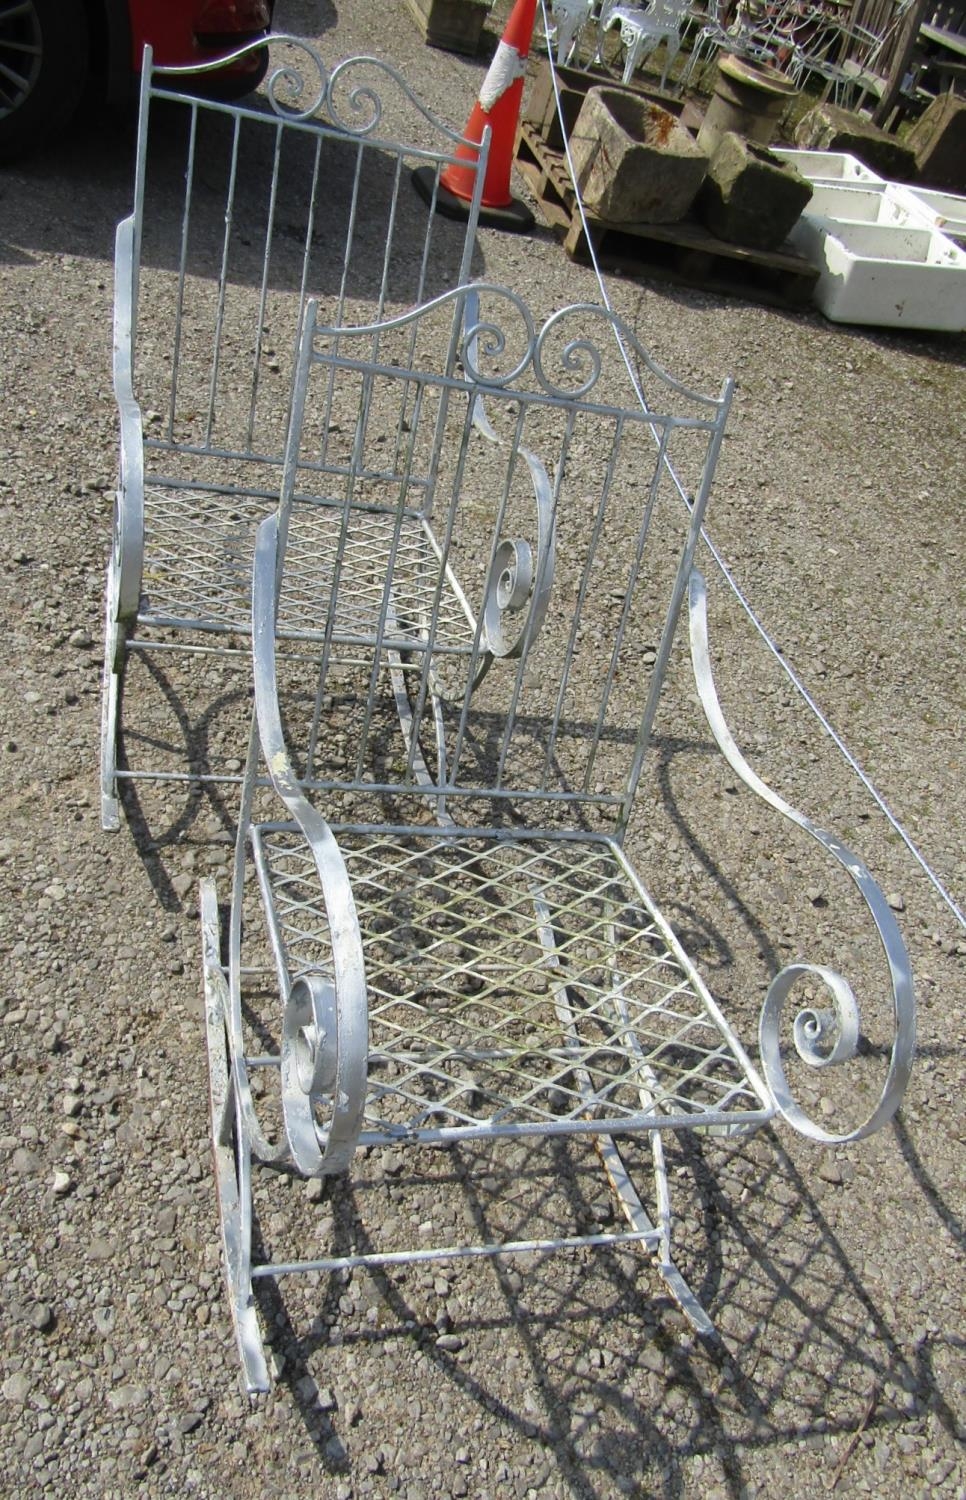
(888, 275)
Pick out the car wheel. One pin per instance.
(44, 56)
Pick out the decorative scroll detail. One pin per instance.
(284, 74)
(517, 585)
(822, 1038)
(309, 1065)
(354, 107)
(326, 1021)
(289, 75)
(363, 111)
(583, 353)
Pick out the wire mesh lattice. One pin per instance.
(512, 985)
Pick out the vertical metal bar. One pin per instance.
(488, 575)
(263, 292)
(511, 714)
(182, 271)
(222, 279)
(429, 644)
(385, 605)
(303, 285)
(356, 467)
(581, 597)
(389, 232)
(698, 508)
(642, 535)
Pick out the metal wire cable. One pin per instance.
(723, 568)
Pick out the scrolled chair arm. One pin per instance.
(325, 1025)
(519, 585)
(822, 1037)
(128, 539)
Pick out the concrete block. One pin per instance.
(454, 25)
(938, 139)
(634, 162)
(751, 197)
(828, 128)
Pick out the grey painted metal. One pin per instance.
(822, 1038)
(243, 212)
(468, 955)
(471, 946)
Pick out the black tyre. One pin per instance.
(44, 60)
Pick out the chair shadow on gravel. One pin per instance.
(161, 815)
(619, 1392)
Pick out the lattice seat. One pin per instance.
(201, 543)
(513, 985)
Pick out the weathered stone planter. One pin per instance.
(634, 162)
(574, 84)
(827, 128)
(454, 25)
(751, 197)
(749, 99)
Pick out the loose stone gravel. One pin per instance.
(835, 1275)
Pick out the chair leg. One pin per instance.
(673, 48)
(232, 1157)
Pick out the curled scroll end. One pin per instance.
(826, 1038)
(287, 89)
(309, 1061)
(508, 593)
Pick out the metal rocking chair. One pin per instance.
(241, 213)
(467, 957)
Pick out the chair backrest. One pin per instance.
(244, 211)
(540, 494)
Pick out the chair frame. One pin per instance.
(199, 472)
(569, 1008)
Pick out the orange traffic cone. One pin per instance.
(499, 107)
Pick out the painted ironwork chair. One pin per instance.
(568, 20)
(642, 29)
(466, 957)
(241, 212)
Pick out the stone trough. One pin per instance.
(634, 163)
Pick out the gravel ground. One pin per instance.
(835, 1277)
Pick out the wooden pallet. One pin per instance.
(684, 252)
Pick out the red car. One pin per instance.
(52, 52)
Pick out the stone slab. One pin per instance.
(938, 139)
